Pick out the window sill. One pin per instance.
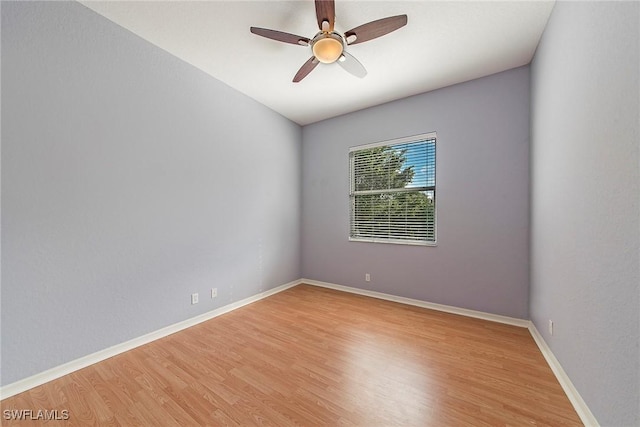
(393, 242)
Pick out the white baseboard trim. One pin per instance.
(51, 374)
(74, 365)
(418, 303)
(587, 418)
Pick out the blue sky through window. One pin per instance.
(422, 156)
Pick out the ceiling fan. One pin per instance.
(328, 46)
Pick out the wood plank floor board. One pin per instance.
(311, 356)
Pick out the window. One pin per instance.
(393, 191)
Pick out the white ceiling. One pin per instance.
(444, 42)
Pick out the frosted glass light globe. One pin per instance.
(327, 50)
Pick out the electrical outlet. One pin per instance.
(194, 298)
(550, 327)
(367, 277)
(214, 292)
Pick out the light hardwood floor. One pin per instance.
(312, 356)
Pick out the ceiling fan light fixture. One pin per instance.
(328, 46)
(327, 49)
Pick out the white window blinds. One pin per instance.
(393, 191)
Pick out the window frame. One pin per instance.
(352, 193)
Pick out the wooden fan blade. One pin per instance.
(352, 65)
(375, 29)
(280, 36)
(306, 68)
(325, 11)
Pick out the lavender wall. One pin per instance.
(585, 269)
(482, 257)
(130, 180)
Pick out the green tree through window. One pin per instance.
(393, 192)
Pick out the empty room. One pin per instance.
(320, 213)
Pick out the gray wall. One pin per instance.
(130, 179)
(585, 201)
(482, 257)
